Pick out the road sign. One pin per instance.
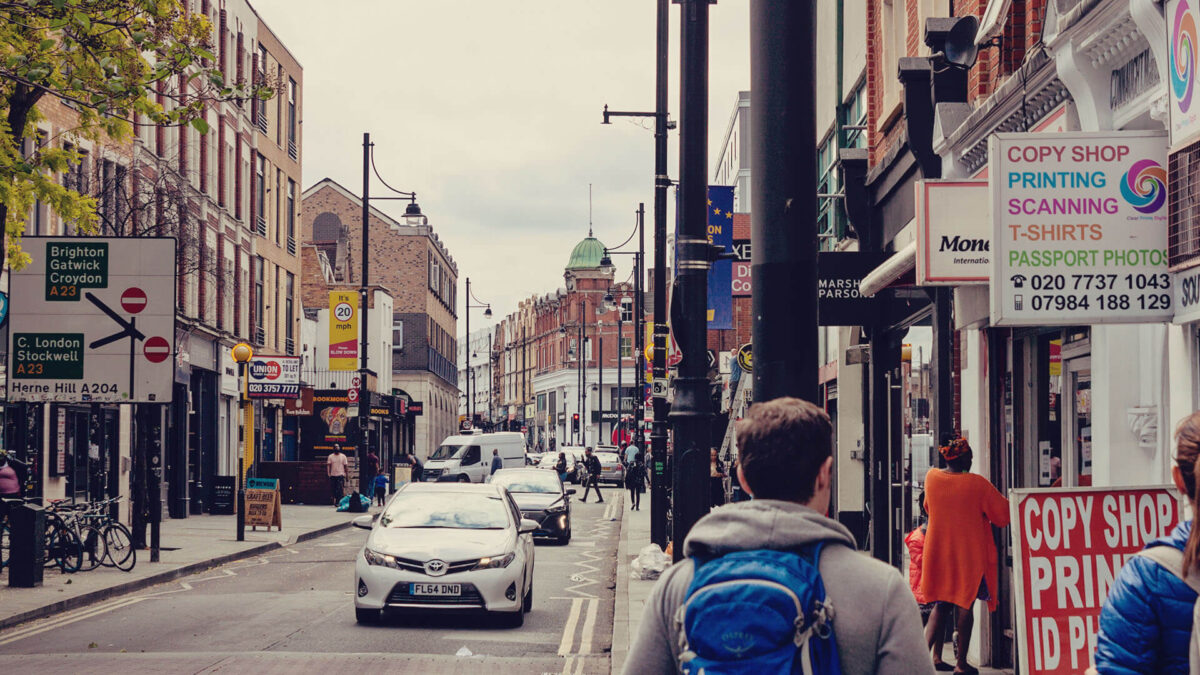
(745, 358)
(273, 377)
(93, 320)
(659, 389)
(352, 395)
(133, 300)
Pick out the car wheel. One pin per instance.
(367, 616)
(464, 479)
(527, 604)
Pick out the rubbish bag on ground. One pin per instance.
(649, 564)
(364, 503)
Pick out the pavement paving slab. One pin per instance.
(188, 545)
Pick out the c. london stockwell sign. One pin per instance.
(954, 233)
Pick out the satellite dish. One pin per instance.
(960, 49)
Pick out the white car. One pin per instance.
(447, 546)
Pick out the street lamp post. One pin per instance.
(473, 303)
(242, 353)
(412, 216)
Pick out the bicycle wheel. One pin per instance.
(62, 547)
(119, 544)
(94, 548)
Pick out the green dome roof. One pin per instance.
(587, 254)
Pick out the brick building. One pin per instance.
(410, 261)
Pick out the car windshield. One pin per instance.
(528, 481)
(455, 510)
(448, 452)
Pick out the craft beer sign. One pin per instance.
(93, 320)
(1068, 547)
(1079, 228)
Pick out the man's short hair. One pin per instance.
(782, 444)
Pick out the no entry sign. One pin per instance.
(133, 300)
(1068, 546)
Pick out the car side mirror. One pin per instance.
(571, 491)
(527, 526)
(365, 521)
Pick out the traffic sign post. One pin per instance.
(93, 321)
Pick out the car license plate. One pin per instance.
(437, 589)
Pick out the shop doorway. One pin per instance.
(910, 422)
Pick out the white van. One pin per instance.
(467, 457)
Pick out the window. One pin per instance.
(626, 309)
(894, 23)
(289, 315)
(626, 347)
(1183, 205)
(260, 191)
(291, 216)
(259, 277)
(237, 179)
(397, 335)
(291, 121)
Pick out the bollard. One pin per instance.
(27, 545)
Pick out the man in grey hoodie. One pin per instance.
(785, 448)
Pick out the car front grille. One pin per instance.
(431, 474)
(401, 595)
(419, 566)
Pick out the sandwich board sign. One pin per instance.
(93, 321)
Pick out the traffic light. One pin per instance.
(575, 423)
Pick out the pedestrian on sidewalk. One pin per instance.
(1146, 622)
(631, 453)
(381, 486)
(915, 541)
(10, 482)
(497, 463)
(959, 558)
(635, 481)
(335, 468)
(592, 463)
(786, 459)
(716, 479)
(560, 467)
(372, 463)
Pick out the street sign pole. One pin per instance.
(242, 353)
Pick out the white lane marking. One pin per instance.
(568, 636)
(63, 621)
(589, 627)
(568, 665)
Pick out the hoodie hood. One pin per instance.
(762, 523)
(1177, 538)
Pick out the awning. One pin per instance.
(902, 262)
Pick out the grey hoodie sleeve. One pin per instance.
(654, 647)
(902, 649)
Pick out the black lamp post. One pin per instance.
(412, 216)
(473, 303)
(639, 318)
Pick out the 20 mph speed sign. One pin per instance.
(93, 320)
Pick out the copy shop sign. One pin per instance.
(1079, 228)
(1068, 546)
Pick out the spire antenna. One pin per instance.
(589, 210)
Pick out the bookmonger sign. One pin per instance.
(92, 319)
(1079, 228)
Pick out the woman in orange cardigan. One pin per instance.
(959, 563)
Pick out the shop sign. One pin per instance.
(742, 285)
(839, 274)
(1187, 295)
(1079, 229)
(416, 408)
(1182, 19)
(1068, 546)
(93, 320)
(343, 330)
(263, 504)
(745, 358)
(301, 405)
(954, 233)
(273, 377)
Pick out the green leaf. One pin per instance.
(45, 44)
(200, 125)
(83, 20)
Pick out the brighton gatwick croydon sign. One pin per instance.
(1079, 229)
(93, 320)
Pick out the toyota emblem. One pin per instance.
(435, 568)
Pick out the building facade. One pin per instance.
(409, 260)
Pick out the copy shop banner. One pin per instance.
(1068, 546)
(1079, 228)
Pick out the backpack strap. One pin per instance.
(1171, 559)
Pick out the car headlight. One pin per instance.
(492, 562)
(558, 507)
(381, 559)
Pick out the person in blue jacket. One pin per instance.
(1146, 622)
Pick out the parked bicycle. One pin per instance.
(102, 540)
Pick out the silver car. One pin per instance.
(611, 468)
(447, 546)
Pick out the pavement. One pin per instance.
(632, 593)
(188, 545)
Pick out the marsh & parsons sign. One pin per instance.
(1079, 228)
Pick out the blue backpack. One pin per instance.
(757, 612)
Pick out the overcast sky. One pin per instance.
(490, 110)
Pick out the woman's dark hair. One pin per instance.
(962, 462)
(1187, 458)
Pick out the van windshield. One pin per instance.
(447, 452)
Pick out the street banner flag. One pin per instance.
(720, 277)
(343, 330)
